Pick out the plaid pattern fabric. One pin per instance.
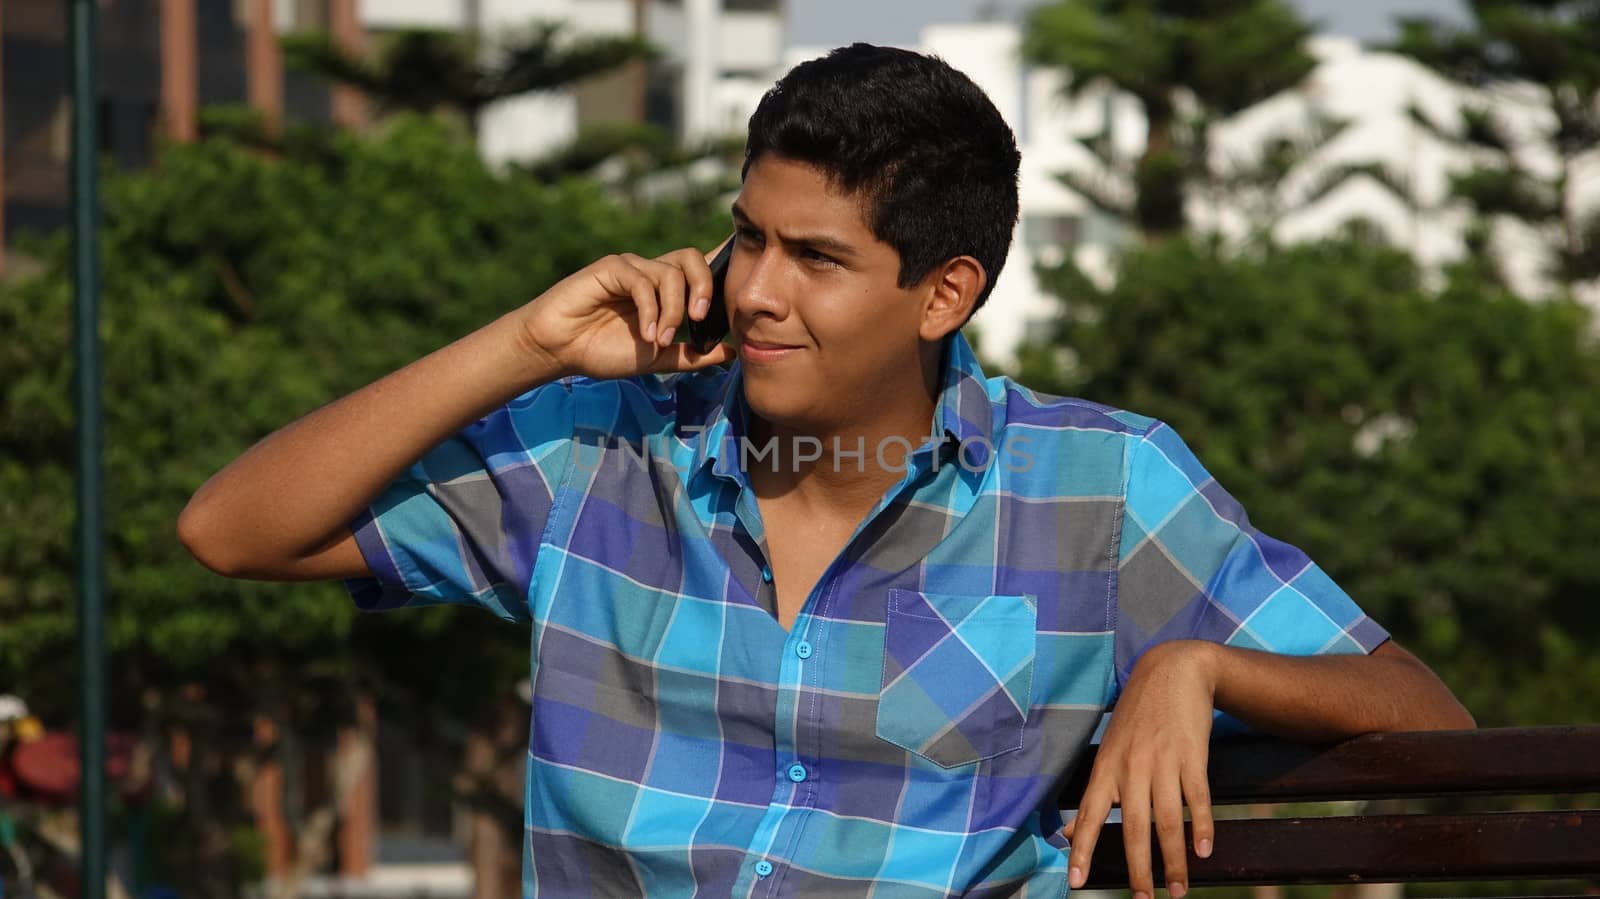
(908, 737)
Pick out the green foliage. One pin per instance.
(1434, 450)
(643, 151)
(241, 290)
(1230, 53)
(246, 281)
(594, 146)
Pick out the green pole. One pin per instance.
(86, 387)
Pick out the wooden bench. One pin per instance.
(1387, 848)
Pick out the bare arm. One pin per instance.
(1322, 698)
(1153, 757)
(281, 511)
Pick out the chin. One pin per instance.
(780, 403)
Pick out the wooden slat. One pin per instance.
(1560, 760)
(1381, 849)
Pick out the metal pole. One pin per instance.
(86, 387)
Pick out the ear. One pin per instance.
(954, 288)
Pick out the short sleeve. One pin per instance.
(463, 525)
(1190, 566)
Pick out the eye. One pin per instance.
(747, 234)
(822, 259)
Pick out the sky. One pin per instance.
(829, 23)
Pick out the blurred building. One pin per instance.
(1371, 92)
(159, 62)
(1380, 97)
(717, 58)
(162, 60)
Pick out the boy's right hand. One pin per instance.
(282, 510)
(617, 316)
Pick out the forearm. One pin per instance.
(1153, 757)
(1331, 697)
(296, 491)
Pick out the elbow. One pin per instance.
(200, 534)
(1458, 718)
(1425, 701)
(1436, 707)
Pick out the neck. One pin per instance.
(847, 464)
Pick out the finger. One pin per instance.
(672, 291)
(1167, 797)
(1092, 810)
(619, 278)
(682, 357)
(667, 284)
(1198, 791)
(1136, 838)
(643, 291)
(698, 279)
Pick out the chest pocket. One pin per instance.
(957, 674)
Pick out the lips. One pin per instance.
(757, 352)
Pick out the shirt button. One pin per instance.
(763, 868)
(803, 650)
(797, 772)
(766, 575)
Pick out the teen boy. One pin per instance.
(841, 620)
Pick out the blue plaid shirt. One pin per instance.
(909, 736)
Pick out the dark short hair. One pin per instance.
(922, 145)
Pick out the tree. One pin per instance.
(1184, 63)
(241, 290)
(640, 164)
(1262, 186)
(1552, 46)
(1433, 450)
(441, 71)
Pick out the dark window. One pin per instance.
(663, 97)
(106, 125)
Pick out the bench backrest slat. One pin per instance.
(1555, 760)
(1544, 845)
(1381, 849)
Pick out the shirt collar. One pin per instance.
(966, 422)
(964, 411)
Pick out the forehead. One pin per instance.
(783, 193)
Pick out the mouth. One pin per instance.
(761, 351)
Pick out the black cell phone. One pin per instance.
(705, 334)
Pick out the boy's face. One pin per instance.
(827, 337)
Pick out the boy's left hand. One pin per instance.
(1152, 760)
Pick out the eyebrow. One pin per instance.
(823, 242)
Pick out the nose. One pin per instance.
(761, 289)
